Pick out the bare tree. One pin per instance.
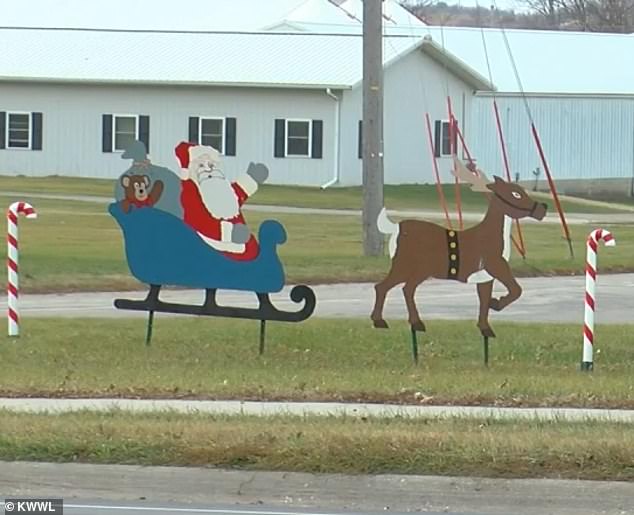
(586, 15)
(583, 15)
(547, 8)
(615, 15)
(579, 12)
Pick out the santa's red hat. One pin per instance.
(182, 153)
(187, 152)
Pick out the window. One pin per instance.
(442, 143)
(212, 133)
(298, 138)
(126, 130)
(21, 131)
(219, 133)
(120, 130)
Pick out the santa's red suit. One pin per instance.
(216, 232)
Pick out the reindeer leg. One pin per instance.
(381, 289)
(484, 294)
(502, 272)
(413, 317)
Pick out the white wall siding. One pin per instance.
(413, 86)
(583, 137)
(72, 131)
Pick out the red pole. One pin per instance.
(452, 150)
(507, 168)
(553, 189)
(441, 193)
(464, 145)
(470, 159)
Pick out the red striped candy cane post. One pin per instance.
(591, 280)
(12, 261)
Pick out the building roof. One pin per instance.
(319, 11)
(394, 14)
(325, 16)
(548, 62)
(268, 59)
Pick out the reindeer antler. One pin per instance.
(478, 180)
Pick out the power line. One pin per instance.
(201, 32)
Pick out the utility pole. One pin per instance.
(372, 135)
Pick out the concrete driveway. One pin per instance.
(545, 299)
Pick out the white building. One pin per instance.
(578, 88)
(71, 99)
(581, 95)
(281, 84)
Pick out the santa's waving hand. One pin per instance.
(211, 203)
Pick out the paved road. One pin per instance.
(258, 493)
(555, 299)
(98, 507)
(572, 218)
(40, 405)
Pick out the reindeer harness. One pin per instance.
(453, 248)
(530, 211)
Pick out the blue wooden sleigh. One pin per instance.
(164, 251)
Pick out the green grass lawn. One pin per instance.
(422, 197)
(55, 184)
(78, 246)
(454, 447)
(531, 365)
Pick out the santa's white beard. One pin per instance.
(219, 197)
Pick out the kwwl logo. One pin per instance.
(33, 506)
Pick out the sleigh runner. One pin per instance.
(163, 250)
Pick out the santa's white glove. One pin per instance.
(240, 233)
(258, 172)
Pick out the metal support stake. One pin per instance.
(152, 299)
(150, 321)
(414, 346)
(262, 334)
(486, 351)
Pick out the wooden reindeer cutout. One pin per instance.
(421, 250)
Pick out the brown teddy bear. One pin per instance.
(137, 191)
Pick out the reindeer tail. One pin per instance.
(386, 226)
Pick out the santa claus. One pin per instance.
(211, 203)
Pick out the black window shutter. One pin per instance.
(144, 131)
(280, 137)
(230, 136)
(437, 138)
(36, 131)
(194, 123)
(106, 132)
(446, 141)
(3, 134)
(455, 136)
(360, 139)
(318, 139)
